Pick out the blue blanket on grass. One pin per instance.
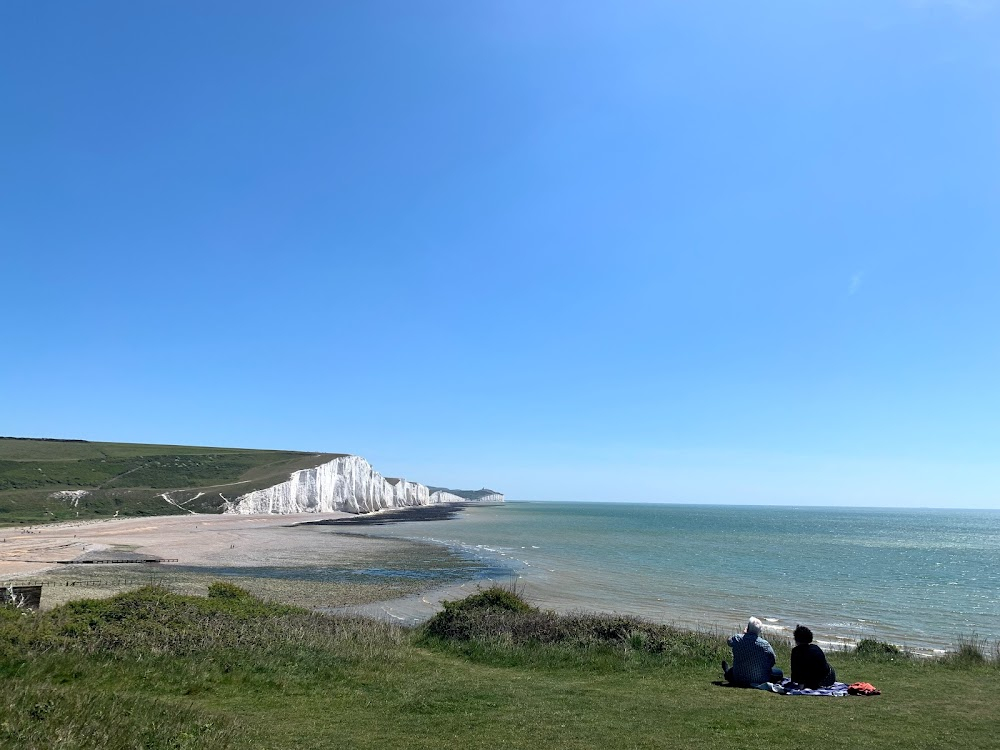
(787, 687)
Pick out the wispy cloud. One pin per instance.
(973, 6)
(855, 286)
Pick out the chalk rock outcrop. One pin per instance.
(347, 483)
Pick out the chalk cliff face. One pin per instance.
(488, 497)
(445, 497)
(347, 483)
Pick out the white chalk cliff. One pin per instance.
(347, 483)
(487, 497)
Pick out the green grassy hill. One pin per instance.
(156, 670)
(42, 480)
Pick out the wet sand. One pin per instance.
(415, 608)
(441, 512)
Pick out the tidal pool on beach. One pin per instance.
(272, 556)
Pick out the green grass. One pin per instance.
(154, 669)
(154, 471)
(128, 479)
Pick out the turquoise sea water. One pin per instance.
(920, 578)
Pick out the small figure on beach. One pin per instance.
(809, 665)
(753, 658)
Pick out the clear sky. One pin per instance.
(651, 251)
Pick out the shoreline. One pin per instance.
(412, 513)
(276, 554)
(296, 558)
(551, 582)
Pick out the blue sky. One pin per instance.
(677, 252)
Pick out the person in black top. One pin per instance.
(809, 665)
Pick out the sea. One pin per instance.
(922, 579)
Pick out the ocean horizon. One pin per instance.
(798, 506)
(921, 578)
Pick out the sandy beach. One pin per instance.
(245, 549)
(223, 540)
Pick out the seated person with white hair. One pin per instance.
(753, 658)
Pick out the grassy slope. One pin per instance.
(128, 478)
(240, 673)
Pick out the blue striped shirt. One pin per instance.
(753, 658)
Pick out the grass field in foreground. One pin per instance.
(157, 670)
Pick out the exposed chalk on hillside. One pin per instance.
(73, 496)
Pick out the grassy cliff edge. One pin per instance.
(154, 669)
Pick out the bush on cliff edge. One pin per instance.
(499, 616)
(459, 620)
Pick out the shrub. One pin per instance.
(223, 590)
(971, 651)
(464, 618)
(871, 648)
(495, 597)
(154, 621)
(497, 617)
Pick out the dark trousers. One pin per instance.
(776, 676)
